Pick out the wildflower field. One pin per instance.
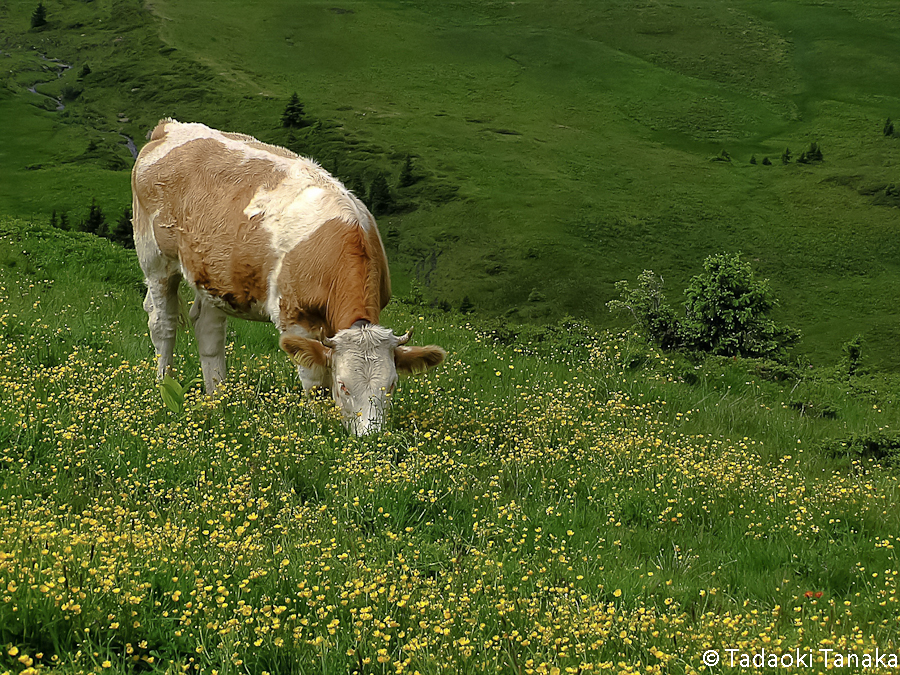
(565, 503)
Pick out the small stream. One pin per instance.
(60, 106)
(61, 69)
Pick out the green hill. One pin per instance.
(560, 146)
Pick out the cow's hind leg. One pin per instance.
(161, 305)
(209, 327)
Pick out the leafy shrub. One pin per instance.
(773, 371)
(647, 305)
(725, 312)
(879, 445)
(70, 92)
(814, 409)
(851, 361)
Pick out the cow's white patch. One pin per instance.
(295, 209)
(178, 134)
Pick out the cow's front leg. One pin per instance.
(209, 327)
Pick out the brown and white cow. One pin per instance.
(263, 234)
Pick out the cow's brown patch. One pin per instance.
(334, 278)
(198, 192)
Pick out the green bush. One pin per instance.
(647, 305)
(880, 445)
(726, 312)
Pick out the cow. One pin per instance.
(263, 234)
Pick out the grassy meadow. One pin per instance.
(559, 500)
(559, 496)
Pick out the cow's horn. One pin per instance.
(403, 339)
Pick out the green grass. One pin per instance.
(551, 497)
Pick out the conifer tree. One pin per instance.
(888, 127)
(815, 153)
(406, 175)
(786, 156)
(95, 223)
(293, 115)
(380, 199)
(39, 16)
(121, 232)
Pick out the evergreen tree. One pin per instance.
(53, 220)
(380, 199)
(753, 159)
(355, 185)
(815, 153)
(466, 306)
(95, 223)
(888, 127)
(64, 221)
(121, 232)
(406, 174)
(39, 16)
(84, 72)
(727, 309)
(786, 156)
(293, 115)
(766, 161)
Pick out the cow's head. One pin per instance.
(364, 361)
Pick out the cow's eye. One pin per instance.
(344, 389)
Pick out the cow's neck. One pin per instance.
(345, 318)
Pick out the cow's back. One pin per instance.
(237, 215)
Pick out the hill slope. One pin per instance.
(572, 141)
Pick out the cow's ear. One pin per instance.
(305, 352)
(418, 359)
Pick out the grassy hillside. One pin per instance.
(549, 501)
(561, 146)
